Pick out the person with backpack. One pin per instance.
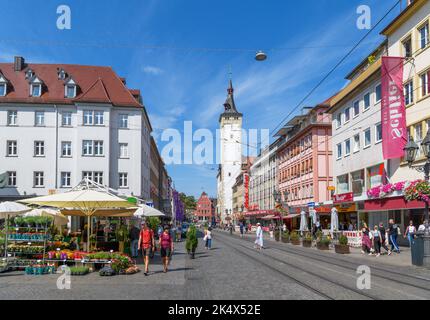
(410, 232)
(147, 244)
(393, 232)
(166, 247)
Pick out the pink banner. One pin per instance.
(393, 112)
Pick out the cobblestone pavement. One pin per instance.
(233, 269)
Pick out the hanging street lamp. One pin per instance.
(260, 56)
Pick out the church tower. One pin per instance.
(230, 154)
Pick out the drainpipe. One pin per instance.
(56, 146)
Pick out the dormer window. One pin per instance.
(29, 74)
(70, 88)
(62, 75)
(3, 86)
(35, 87)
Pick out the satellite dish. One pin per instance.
(260, 56)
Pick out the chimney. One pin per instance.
(19, 63)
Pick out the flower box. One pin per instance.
(307, 243)
(341, 249)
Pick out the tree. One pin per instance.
(189, 201)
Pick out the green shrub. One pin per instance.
(343, 240)
(153, 223)
(191, 242)
(308, 236)
(319, 234)
(79, 270)
(294, 236)
(324, 240)
(286, 234)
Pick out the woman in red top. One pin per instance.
(166, 245)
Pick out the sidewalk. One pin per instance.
(395, 260)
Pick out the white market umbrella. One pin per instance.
(147, 211)
(59, 219)
(87, 201)
(11, 209)
(313, 215)
(303, 222)
(334, 225)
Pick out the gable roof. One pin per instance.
(97, 84)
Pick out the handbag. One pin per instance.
(205, 238)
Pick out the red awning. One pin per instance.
(291, 216)
(259, 213)
(394, 203)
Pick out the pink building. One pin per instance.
(305, 160)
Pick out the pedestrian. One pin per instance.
(384, 237)
(250, 227)
(134, 240)
(422, 226)
(147, 244)
(241, 227)
(271, 229)
(393, 232)
(231, 228)
(284, 227)
(259, 237)
(365, 240)
(377, 238)
(166, 247)
(209, 238)
(179, 233)
(159, 231)
(410, 232)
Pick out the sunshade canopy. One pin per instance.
(101, 212)
(59, 219)
(11, 209)
(147, 211)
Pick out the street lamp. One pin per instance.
(277, 196)
(260, 56)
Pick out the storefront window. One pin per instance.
(342, 184)
(375, 176)
(357, 179)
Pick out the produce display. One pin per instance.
(25, 249)
(39, 269)
(28, 236)
(79, 271)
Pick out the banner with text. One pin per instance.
(393, 113)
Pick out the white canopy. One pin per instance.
(313, 215)
(59, 219)
(147, 211)
(303, 222)
(334, 225)
(11, 209)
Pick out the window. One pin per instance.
(11, 182)
(66, 119)
(98, 148)
(123, 150)
(66, 179)
(98, 177)
(36, 90)
(356, 143)
(357, 181)
(375, 176)
(12, 149)
(356, 108)
(409, 92)
(87, 175)
(123, 180)
(425, 84)
(70, 91)
(418, 130)
(38, 180)
(338, 120)
(367, 138)
(12, 118)
(407, 48)
(123, 121)
(39, 148)
(88, 118)
(339, 150)
(378, 133)
(39, 118)
(342, 184)
(424, 35)
(366, 101)
(66, 149)
(87, 148)
(347, 147)
(98, 115)
(347, 110)
(3, 89)
(378, 93)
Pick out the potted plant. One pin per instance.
(342, 247)
(295, 238)
(191, 242)
(276, 235)
(285, 236)
(307, 240)
(323, 243)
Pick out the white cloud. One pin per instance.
(153, 70)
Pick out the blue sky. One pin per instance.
(179, 53)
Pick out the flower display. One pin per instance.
(418, 190)
(382, 191)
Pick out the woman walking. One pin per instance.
(410, 232)
(383, 233)
(377, 238)
(259, 240)
(166, 245)
(208, 238)
(366, 244)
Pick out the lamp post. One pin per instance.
(411, 150)
(277, 196)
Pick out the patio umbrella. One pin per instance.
(87, 201)
(147, 211)
(334, 225)
(11, 209)
(58, 217)
(313, 215)
(303, 222)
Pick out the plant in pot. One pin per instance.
(191, 242)
(29, 221)
(276, 234)
(295, 238)
(323, 243)
(342, 247)
(307, 240)
(285, 236)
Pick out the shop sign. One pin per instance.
(344, 197)
(311, 205)
(345, 208)
(246, 185)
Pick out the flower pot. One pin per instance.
(285, 240)
(322, 246)
(307, 243)
(341, 249)
(295, 242)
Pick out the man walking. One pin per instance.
(147, 243)
(241, 227)
(134, 241)
(259, 236)
(393, 233)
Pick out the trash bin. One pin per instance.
(417, 251)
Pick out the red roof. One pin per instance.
(95, 84)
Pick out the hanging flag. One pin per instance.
(393, 112)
